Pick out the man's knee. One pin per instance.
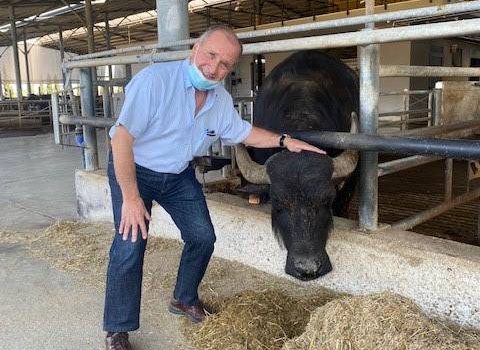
(127, 254)
(204, 236)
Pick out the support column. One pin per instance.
(90, 38)
(108, 43)
(62, 53)
(172, 21)
(27, 69)
(16, 61)
(369, 63)
(1, 85)
(128, 73)
(87, 97)
(87, 101)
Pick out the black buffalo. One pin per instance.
(308, 91)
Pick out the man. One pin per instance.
(172, 111)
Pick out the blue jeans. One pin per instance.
(182, 197)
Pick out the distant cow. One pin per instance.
(308, 91)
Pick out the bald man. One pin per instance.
(172, 112)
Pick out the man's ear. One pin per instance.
(194, 51)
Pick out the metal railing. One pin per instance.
(417, 109)
(22, 112)
(369, 72)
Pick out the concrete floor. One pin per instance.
(41, 307)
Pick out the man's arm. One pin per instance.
(261, 138)
(134, 212)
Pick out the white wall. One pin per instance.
(393, 53)
(44, 64)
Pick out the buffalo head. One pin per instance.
(302, 190)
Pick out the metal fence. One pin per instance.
(369, 73)
(25, 112)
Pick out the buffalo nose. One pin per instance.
(307, 266)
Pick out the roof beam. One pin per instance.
(284, 7)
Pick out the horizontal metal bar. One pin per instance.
(435, 211)
(443, 10)
(427, 71)
(395, 113)
(417, 32)
(401, 122)
(439, 130)
(445, 148)
(95, 122)
(113, 82)
(405, 92)
(396, 165)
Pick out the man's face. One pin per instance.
(216, 56)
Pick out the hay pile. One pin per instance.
(379, 321)
(72, 246)
(256, 320)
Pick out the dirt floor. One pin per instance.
(81, 250)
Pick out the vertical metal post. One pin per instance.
(87, 101)
(1, 85)
(430, 108)
(128, 72)
(62, 57)
(90, 38)
(55, 119)
(369, 95)
(449, 179)
(404, 117)
(172, 21)
(108, 43)
(13, 30)
(107, 90)
(477, 234)
(27, 69)
(437, 106)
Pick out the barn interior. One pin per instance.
(427, 89)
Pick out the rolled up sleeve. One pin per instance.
(139, 105)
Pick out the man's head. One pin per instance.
(216, 52)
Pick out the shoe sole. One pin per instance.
(176, 311)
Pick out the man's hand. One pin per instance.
(294, 145)
(134, 215)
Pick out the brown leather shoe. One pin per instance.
(118, 341)
(196, 313)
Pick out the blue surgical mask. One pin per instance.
(198, 80)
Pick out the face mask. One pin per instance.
(198, 80)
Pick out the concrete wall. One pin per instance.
(441, 276)
(394, 53)
(422, 52)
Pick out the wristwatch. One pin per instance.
(281, 141)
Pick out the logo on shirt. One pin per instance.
(210, 132)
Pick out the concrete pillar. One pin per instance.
(369, 62)
(27, 69)
(16, 61)
(172, 21)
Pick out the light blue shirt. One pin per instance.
(159, 112)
